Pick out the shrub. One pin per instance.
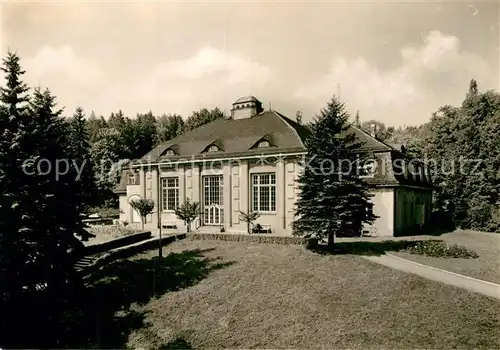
(249, 219)
(187, 212)
(105, 212)
(311, 243)
(178, 343)
(438, 249)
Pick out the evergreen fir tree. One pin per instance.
(85, 183)
(13, 118)
(37, 209)
(53, 197)
(333, 198)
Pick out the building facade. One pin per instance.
(250, 162)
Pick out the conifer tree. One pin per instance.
(13, 117)
(52, 191)
(332, 197)
(85, 183)
(37, 209)
(38, 214)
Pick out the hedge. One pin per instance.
(246, 238)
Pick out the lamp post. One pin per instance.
(158, 209)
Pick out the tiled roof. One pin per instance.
(369, 142)
(122, 185)
(237, 136)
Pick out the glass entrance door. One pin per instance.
(213, 210)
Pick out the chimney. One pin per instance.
(373, 130)
(298, 117)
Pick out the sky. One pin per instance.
(396, 62)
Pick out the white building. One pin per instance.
(249, 162)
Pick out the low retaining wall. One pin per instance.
(255, 238)
(130, 250)
(117, 243)
(98, 221)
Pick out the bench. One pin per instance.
(169, 224)
(262, 228)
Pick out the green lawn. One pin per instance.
(214, 294)
(485, 267)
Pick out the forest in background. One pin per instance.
(461, 145)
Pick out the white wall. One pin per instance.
(383, 207)
(237, 196)
(125, 207)
(237, 193)
(123, 203)
(292, 172)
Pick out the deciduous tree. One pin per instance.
(170, 126)
(143, 207)
(188, 211)
(202, 117)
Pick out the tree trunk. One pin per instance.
(248, 228)
(189, 227)
(330, 241)
(160, 247)
(142, 221)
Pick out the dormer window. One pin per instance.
(264, 144)
(172, 151)
(213, 148)
(367, 169)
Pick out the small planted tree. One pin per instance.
(187, 212)
(249, 218)
(143, 207)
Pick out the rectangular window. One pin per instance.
(367, 168)
(133, 179)
(264, 192)
(169, 193)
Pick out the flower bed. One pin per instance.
(438, 249)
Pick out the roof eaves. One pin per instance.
(254, 152)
